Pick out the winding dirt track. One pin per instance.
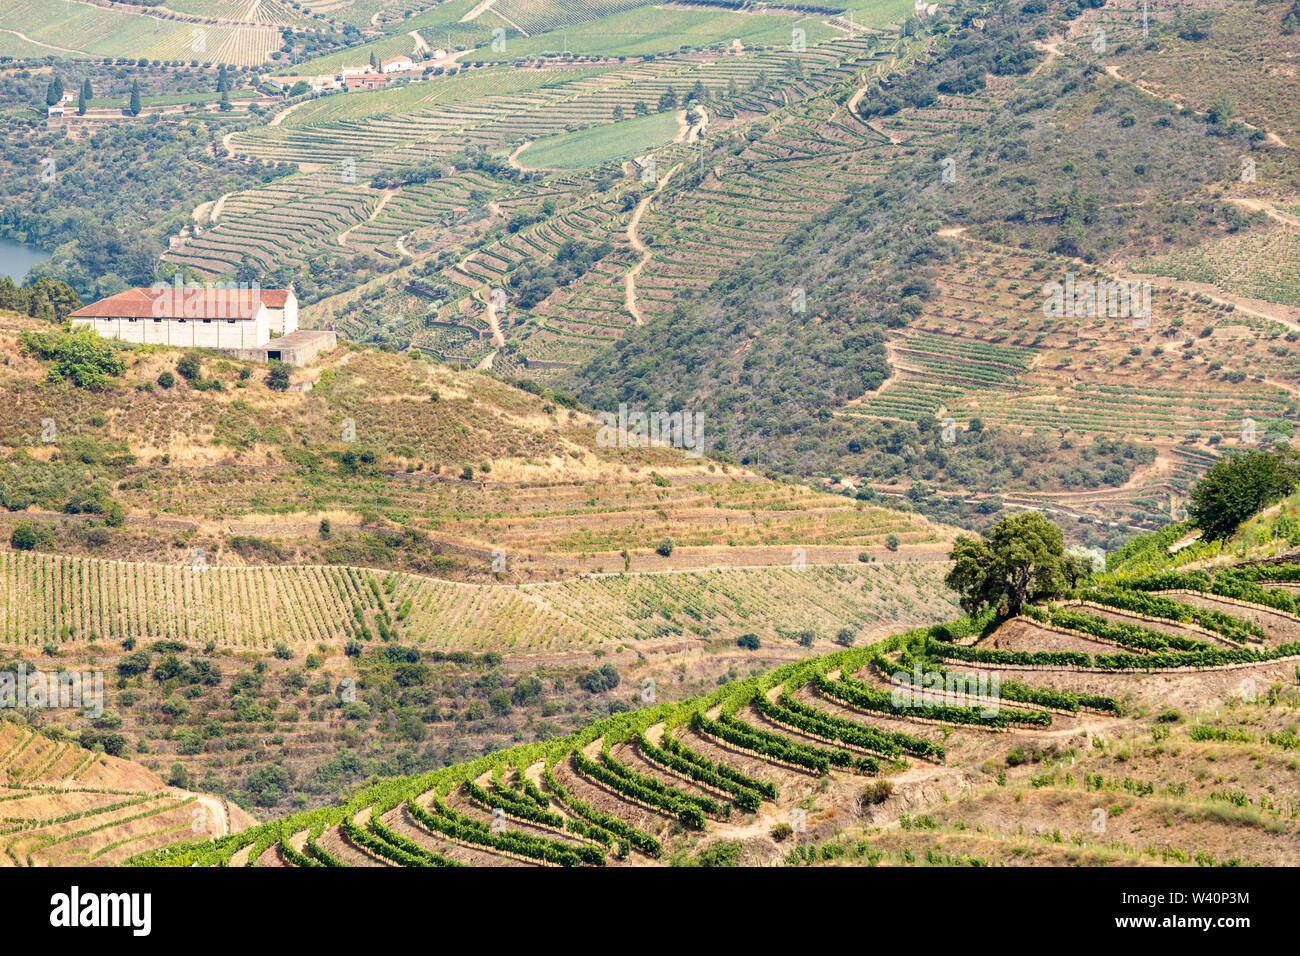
(629, 281)
(26, 38)
(490, 311)
(216, 815)
(1254, 205)
(386, 195)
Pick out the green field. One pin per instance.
(79, 29)
(591, 147)
(441, 91)
(640, 31)
(13, 45)
(659, 30)
(875, 14)
(171, 99)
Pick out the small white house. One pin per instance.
(397, 64)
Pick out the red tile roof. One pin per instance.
(170, 303)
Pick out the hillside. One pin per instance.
(385, 460)
(393, 564)
(280, 686)
(68, 806)
(1144, 718)
(672, 246)
(971, 536)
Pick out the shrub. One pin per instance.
(166, 380)
(602, 678)
(782, 832)
(178, 776)
(190, 368)
(748, 641)
(877, 792)
(24, 537)
(277, 380)
(82, 357)
(665, 547)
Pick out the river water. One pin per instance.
(16, 259)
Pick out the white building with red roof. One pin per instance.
(364, 81)
(193, 316)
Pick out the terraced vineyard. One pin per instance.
(61, 601)
(1259, 266)
(967, 355)
(904, 751)
(813, 155)
(273, 13)
(64, 805)
(91, 30)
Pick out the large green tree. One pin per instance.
(1238, 486)
(1021, 559)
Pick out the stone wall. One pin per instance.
(183, 333)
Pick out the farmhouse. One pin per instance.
(364, 81)
(193, 317)
(397, 64)
(317, 84)
(250, 323)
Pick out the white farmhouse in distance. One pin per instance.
(397, 64)
(243, 318)
(250, 323)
